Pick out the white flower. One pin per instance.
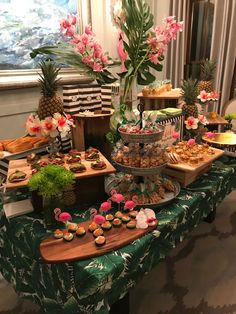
(191, 123)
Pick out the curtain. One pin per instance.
(175, 59)
(223, 48)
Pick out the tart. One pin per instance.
(93, 226)
(118, 214)
(98, 232)
(131, 224)
(109, 217)
(72, 227)
(58, 234)
(17, 176)
(125, 218)
(77, 168)
(106, 225)
(68, 236)
(98, 165)
(117, 222)
(80, 232)
(100, 240)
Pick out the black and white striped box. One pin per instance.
(82, 97)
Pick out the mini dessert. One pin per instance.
(73, 159)
(118, 214)
(68, 236)
(93, 226)
(98, 165)
(58, 234)
(80, 232)
(32, 158)
(98, 232)
(109, 217)
(106, 225)
(133, 213)
(72, 227)
(131, 224)
(100, 240)
(117, 222)
(17, 176)
(77, 168)
(125, 218)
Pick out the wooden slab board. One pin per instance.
(21, 164)
(58, 250)
(207, 160)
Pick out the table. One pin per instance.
(164, 100)
(92, 286)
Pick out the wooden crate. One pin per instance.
(187, 177)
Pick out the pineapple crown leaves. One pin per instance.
(136, 27)
(189, 91)
(48, 78)
(208, 70)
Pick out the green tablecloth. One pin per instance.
(93, 285)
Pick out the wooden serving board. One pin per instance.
(208, 159)
(22, 165)
(58, 250)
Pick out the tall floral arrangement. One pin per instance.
(80, 51)
(141, 44)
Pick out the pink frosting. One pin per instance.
(64, 216)
(99, 219)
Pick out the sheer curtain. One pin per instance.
(175, 59)
(223, 48)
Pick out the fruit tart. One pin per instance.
(77, 168)
(98, 165)
(17, 176)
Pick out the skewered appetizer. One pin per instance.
(58, 234)
(68, 236)
(80, 232)
(98, 165)
(77, 168)
(17, 176)
(100, 240)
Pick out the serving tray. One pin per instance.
(58, 250)
(138, 171)
(143, 137)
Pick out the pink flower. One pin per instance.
(97, 67)
(99, 219)
(49, 127)
(117, 198)
(203, 96)
(154, 58)
(214, 95)
(202, 119)
(88, 30)
(62, 123)
(105, 206)
(191, 141)
(64, 217)
(176, 135)
(210, 134)
(191, 123)
(129, 205)
(33, 125)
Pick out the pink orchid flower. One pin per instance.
(191, 123)
(191, 141)
(202, 119)
(99, 219)
(105, 206)
(88, 30)
(203, 96)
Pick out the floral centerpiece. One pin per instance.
(80, 51)
(205, 98)
(195, 127)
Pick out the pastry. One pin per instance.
(98, 165)
(77, 168)
(17, 176)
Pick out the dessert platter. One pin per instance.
(221, 140)
(152, 191)
(80, 163)
(89, 239)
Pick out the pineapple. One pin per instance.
(207, 76)
(189, 95)
(49, 102)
